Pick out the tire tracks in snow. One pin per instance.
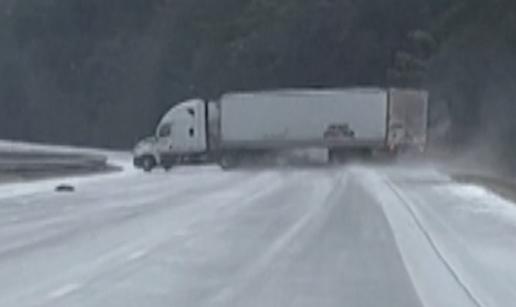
(116, 261)
(402, 219)
(435, 246)
(243, 279)
(97, 219)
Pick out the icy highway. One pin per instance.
(198, 236)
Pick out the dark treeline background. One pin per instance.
(102, 72)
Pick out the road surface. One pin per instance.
(350, 236)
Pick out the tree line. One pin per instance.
(101, 72)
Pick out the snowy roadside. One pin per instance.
(22, 161)
(503, 186)
(20, 146)
(469, 171)
(468, 227)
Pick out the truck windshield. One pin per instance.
(165, 130)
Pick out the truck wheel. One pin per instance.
(364, 154)
(148, 163)
(337, 156)
(168, 167)
(331, 156)
(227, 162)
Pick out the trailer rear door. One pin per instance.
(407, 117)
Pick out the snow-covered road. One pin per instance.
(355, 236)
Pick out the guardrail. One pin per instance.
(32, 161)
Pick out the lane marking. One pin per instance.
(63, 291)
(138, 254)
(431, 241)
(241, 281)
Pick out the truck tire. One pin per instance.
(168, 167)
(148, 163)
(337, 156)
(226, 163)
(364, 154)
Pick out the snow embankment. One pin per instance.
(23, 157)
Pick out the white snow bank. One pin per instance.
(479, 200)
(472, 229)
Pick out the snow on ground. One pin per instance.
(119, 159)
(470, 228)
(199, 236)
(431, 277)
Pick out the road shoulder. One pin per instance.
(500, 185)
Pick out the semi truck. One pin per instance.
(246, 127)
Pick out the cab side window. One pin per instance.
(165, 130)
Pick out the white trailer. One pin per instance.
(286, 119)
(240, 126)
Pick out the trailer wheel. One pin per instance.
(227, 162)
(337, 156)
(365, 154)
(148, 163)
(224, 163)
(168, 167)
(332, 156)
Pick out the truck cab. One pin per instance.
(181, 136)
